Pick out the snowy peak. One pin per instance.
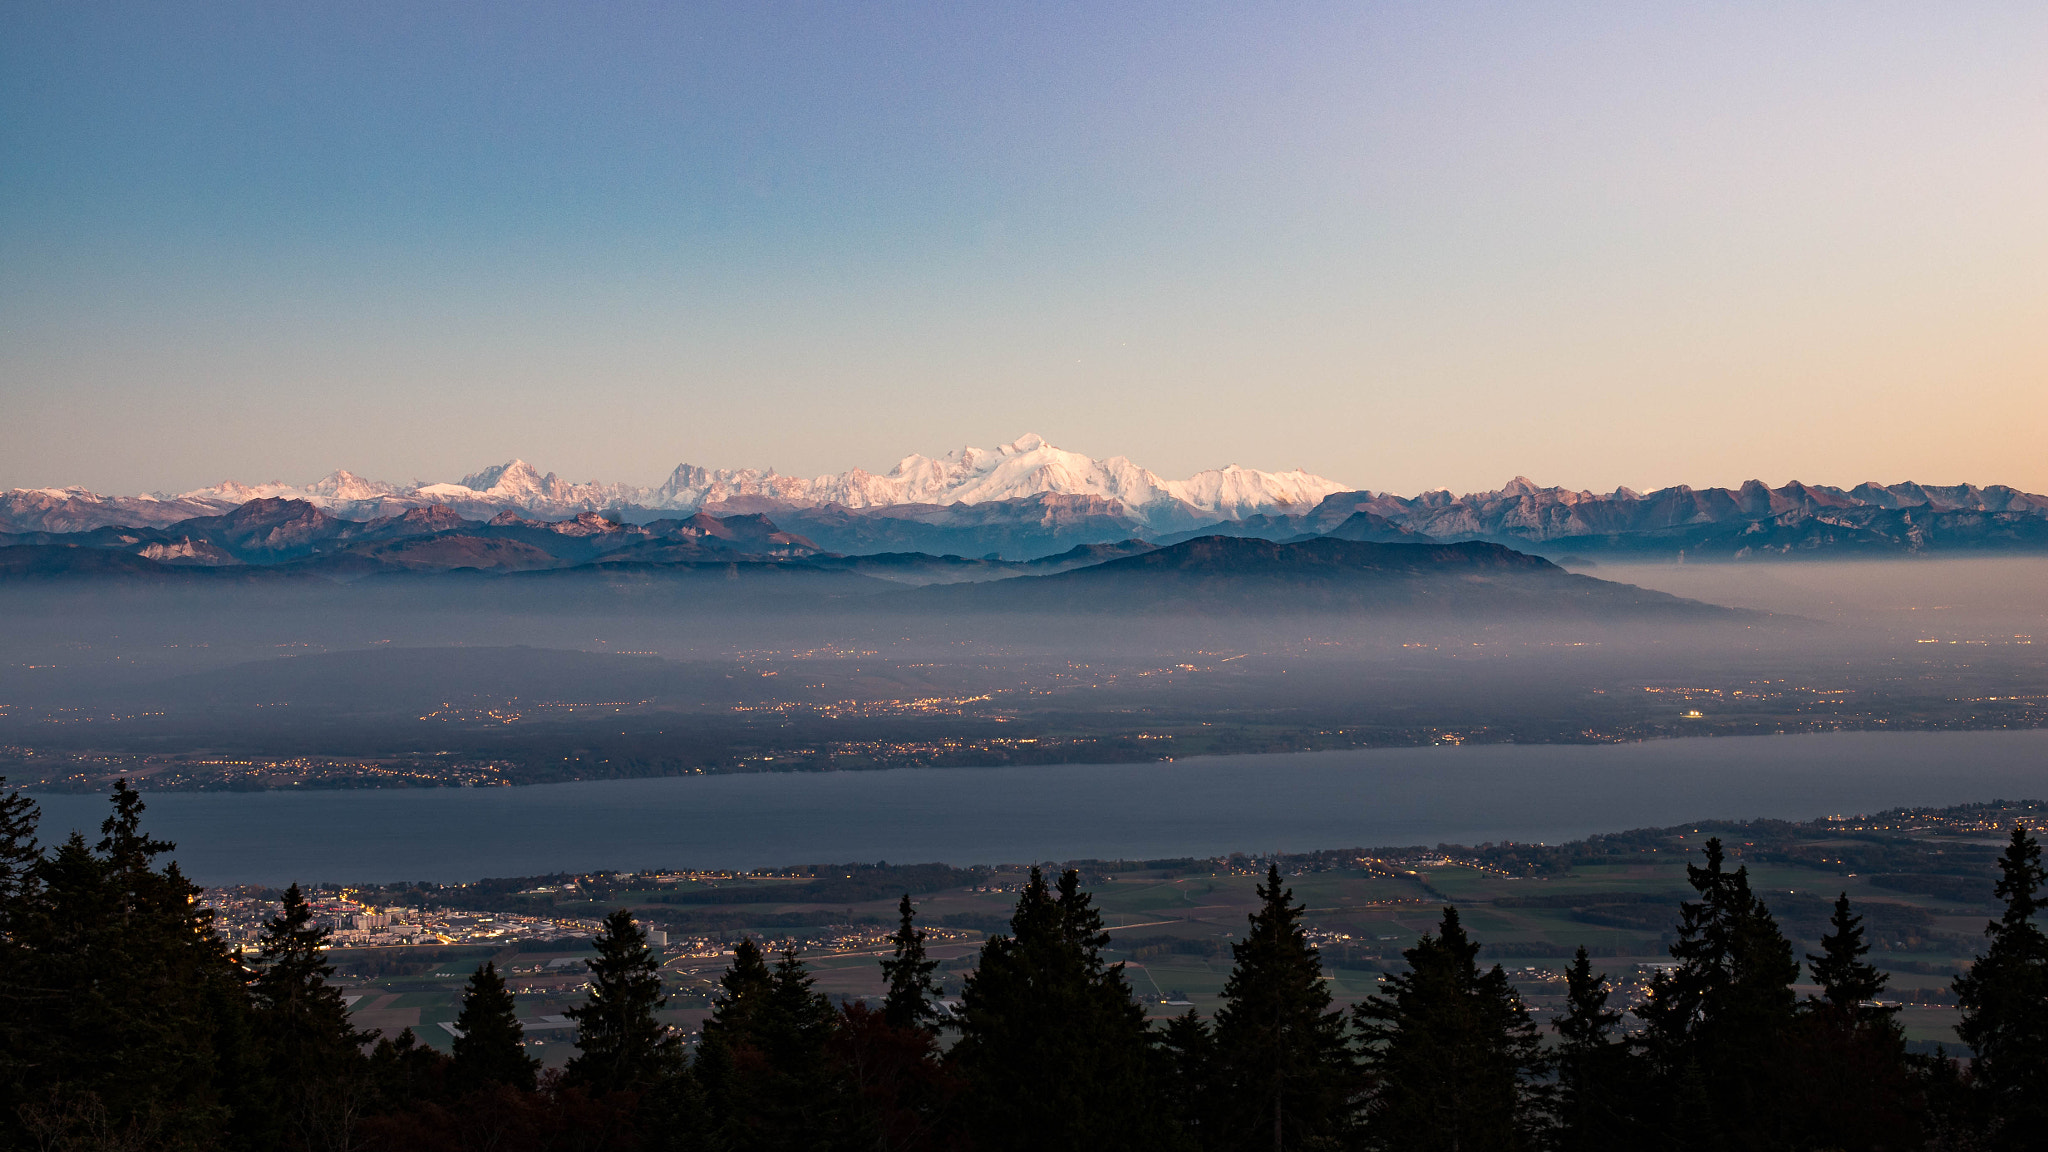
(1027, 468)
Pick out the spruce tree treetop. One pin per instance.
(745, 987)
(1281, 1058)
(621, 1046)
(1592, 1094)
(1451, 1050)
(299, 1015)
(18, 853)
(1053, 1050)
(490, 1048)
(912, 1001)
(1588, 1022)
(802, 1016)
(2004, 996)
(127, 848)
(1719, 1022)
(1735, 970)
(116, 995)
(1846, 980)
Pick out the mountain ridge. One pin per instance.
(1028, 499)
(1025, 468)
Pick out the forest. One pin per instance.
(126, 1022)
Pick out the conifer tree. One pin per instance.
(1188, 1048)
(803, 1097)
(18, 856)
(728, 1064)
(300, 1017)
(912, 1000)
(1451, 1052)
(744, 987)
(763, 1064)
(1846, 980)
(1591, 1061)
(2004, 1001)
(120, 991)
(1846, 1060)
(1282, 1064)
(1053, 1048)
(311, 1053)
(621, 1046)
(490, 1048)
(1718, 1022)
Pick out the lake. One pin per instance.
(1194, 807)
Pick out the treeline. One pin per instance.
(127, 1024)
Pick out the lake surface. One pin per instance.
(1195, 807)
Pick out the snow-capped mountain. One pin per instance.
(1023, 469)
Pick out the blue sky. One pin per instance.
(1403, 245)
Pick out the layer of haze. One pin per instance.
(1404, 245)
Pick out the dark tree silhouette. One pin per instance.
(1053, 1049)
(1592, 1106)
(1188, 1054)
(1718, 1022)
(1846, 980)
(18, 856)
(125, 1012)
(491, 1046)
(621, 1046)
(1282, 1066)
(1451, 1052)
(912, 1000)
(2004, 1002)
(1846, 1057)
(763, 1065)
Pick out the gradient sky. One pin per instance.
(1405, 245)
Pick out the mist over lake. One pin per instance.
(1193, 807)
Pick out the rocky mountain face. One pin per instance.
(1750, 522)
(278, 533)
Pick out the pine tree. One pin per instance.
(19, 854)
(1282, 1062)
(744, 988)
(1846, 1058)
(1591, 1061)
(763, 1064)
(803, 1097)
(490, 1045)
(311, 1052)
(1451, 1052)
(912, 1001)
(1188, 1048)
(621, 1046)
(2004, 1001)
(300, 1017)
(120, 990)
(1846, 980)
(1053, 1049)
(1717, 1023)
(729, 1063)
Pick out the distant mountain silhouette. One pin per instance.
(1235, 575)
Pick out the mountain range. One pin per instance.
(1027, 468)
(1022, 501)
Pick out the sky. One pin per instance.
(1403, 245)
